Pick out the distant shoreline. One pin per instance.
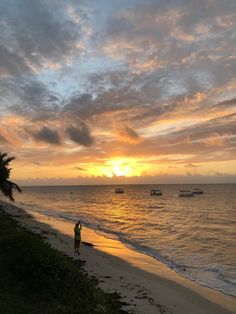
(127, 184)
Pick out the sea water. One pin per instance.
(196, 236)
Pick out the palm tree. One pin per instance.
(7, 186)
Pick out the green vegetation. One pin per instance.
(35, 278)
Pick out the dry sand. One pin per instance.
(147, 285)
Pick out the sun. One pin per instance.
(119, 167)
(121, 170)
(123, 167)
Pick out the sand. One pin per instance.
(147, 285)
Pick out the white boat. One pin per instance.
(119, 190)
(185, 193)
(156, 192)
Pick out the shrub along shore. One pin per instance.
(35, 278)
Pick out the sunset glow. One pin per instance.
(125, 167)
(118, 167)
(100, 92)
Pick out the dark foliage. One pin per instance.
(7, 186)
(36, 278)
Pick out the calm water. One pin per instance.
(195, 236)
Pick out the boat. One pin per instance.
(197, 191)
(119, 190)
(185, 193)
(156, 192)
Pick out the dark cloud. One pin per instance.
(80, 135)
(128, 134)
(225, 104)
(31, 98)
(47, 135)
(35, 35)
(11, 63)
(136, 97)
(37, 32)
(36, 94)
(131, 133)
(145, 97)
(80, 105)
(156, 37)
(206, 13)
(221, 126)
(86, 106)
(80, 168)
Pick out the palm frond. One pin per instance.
(7, 186)
(15, 186)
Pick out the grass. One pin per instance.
(35, 278)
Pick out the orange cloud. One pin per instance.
(216, 139)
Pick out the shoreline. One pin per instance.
(148, 285)
(111, 236)
(132, 248)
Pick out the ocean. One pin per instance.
(195, 236)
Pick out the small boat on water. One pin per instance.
(156, 192)
(119, 190)
(197, 191)
(185, 193)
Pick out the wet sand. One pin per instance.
(147, 285)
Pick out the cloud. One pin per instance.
(185, 42)
(225, 104)
(208, 15)
(191, 166)
(47, 135)
(29, 98)
(12, 132)
(218, 129)
(37, 32)
(2, 139)
(155, 75)
(216, 139)
(79, 168)
(173, 147)
(190, 174)
(144, 32)
(80, 105)
(80, 135)
(11, 63)
(127, 134)
(155, 179)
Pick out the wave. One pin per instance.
(185, 270)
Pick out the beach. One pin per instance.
(147, 285)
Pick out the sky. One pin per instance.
(102, 92)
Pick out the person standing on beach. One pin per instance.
(77, 236)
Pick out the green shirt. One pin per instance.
(77, 231)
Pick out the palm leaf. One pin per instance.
(7, 186)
